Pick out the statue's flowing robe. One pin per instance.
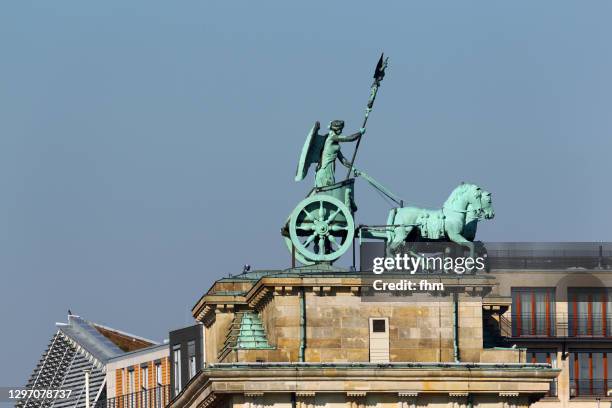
(327, 164)
(329, 153)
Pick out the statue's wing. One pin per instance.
(311, 152)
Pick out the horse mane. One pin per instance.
(458, 192)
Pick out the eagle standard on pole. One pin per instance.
(379, 74)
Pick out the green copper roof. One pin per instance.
(246, 332)
(252, 334)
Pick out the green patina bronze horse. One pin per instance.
(473, 216)
(456, 221)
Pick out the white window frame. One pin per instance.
(176, 355)
(191, 348)
(159, 375)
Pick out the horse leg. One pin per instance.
(399, 235)
(459, 239)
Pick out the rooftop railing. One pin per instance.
(582, 325)
(589, 387)
(157, 397)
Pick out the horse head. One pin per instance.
(486, 203)
(485, 211)
(465, 198)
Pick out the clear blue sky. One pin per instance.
(149, 147)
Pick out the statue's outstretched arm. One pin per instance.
(352, 137)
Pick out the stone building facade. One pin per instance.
(312, 337)
(563, 317)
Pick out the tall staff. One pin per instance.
(379, 74)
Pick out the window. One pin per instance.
(191, 353)
(379, 340)
(144, 377)
(158, 390)
(158, 374)
(176, 356)
(131, 389)
(379, 326)
(589, 312)
(144, 384)
(589, 373)
(533, 312)
(545, 357)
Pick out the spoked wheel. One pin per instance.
(321, 228)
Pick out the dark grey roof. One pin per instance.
(85, 335)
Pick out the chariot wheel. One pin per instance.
(321, 229)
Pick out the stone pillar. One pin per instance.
(458, 399)
(511, 400)
(253, 400)
(356, 399)
(407, 399)
(561, 316)
(304, 399)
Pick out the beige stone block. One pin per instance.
(404, 343)
(407, 321)
(353, 332)
(403, 333)
(414, 333)
(414, 355)
(447, 354)
(355, 342)
(289, 332)
(319, 322)
(320, 332)
(358, 355)
(428, 322)
(324, 343)
(424, 312)
(425, 344)
(470, 322)
(333, 355)
(446, 342)
(284, 301)
(499, 356)
(291, 355)
(312, 355)
(446, 332)
(350, 311)
(467, 333)
(286, 321)
(429, 333)
(288, 311)
(393, 332)
(288, 342)
(353, 321)
(469, 355)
